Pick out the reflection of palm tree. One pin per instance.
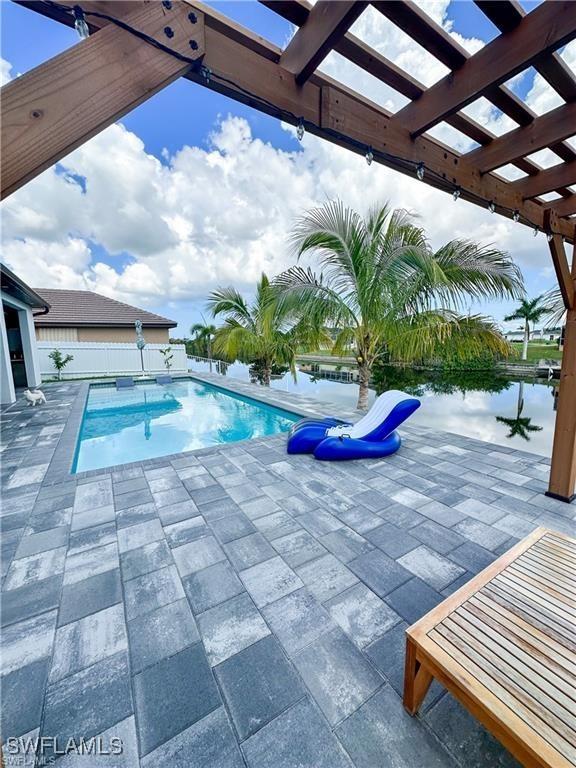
(520, 426)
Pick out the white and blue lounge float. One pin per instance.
(373, 436)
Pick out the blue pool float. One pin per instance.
(374, 436)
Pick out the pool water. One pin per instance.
(149, 420)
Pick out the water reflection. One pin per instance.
(151, 420)
(481, 404)
(519, 426)
(139, 409)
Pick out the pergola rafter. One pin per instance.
(543, 131)
(561, 175)
(506, 15)
(506, 56)
(137, 48)
(423, 30)
(328, 22)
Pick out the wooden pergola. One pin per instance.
(137, 48)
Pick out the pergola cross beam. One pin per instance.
(561, 175)
(327, 24)
(373, 62)
(506, 15)
(558, 124)
(507, 55)
(427, 33)
(565, 207)
(243, 63)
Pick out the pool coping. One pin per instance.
(60, 468)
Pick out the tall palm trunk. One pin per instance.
(363, 383)
(266, 373)
(526, 337)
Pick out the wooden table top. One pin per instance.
(506, 643)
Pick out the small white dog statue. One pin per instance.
(34, 396)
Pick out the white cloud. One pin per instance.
(221, 213)
(5, 71)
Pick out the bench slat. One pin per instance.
(505, 645)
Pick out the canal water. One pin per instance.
(480, 404)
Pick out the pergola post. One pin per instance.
(563, 469)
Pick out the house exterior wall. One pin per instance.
(56, 334)
(102, 334)
(119, 335)
(7, 392)
(29, 349)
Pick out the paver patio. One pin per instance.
(238, 606)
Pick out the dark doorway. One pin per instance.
(15, 347)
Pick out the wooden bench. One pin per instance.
(504, 645)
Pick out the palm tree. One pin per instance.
(520, 426)
(385, 289)
(530, 311)
(203, 335)
(268, 332)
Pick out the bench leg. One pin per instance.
(417, 679)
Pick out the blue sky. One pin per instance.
(183, 115)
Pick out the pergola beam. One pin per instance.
(507, 55)
(554, 126)
(56, 107)
(566, 207)
(560, 262)
(377, 65)
(327, 23)
(246, 67)
(563, 467)
(506, 15)
(561, 175)
(421, 28)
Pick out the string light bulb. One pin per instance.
(369, 156)
(80, 23)
(516, 216)
(456, 194)
(550, 237)
(492, 206)
(420, 171)
(300, 130)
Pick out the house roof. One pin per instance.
(13, 286)
(85, 308)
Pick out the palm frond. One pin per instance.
(467, 270)
(446, 334)
(554, 303)
(228, 301)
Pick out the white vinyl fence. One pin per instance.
(93, 358)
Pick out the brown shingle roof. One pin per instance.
(85, 308)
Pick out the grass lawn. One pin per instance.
(536, 352)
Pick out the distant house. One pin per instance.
(88, 316)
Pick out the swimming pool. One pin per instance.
(149, 420)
